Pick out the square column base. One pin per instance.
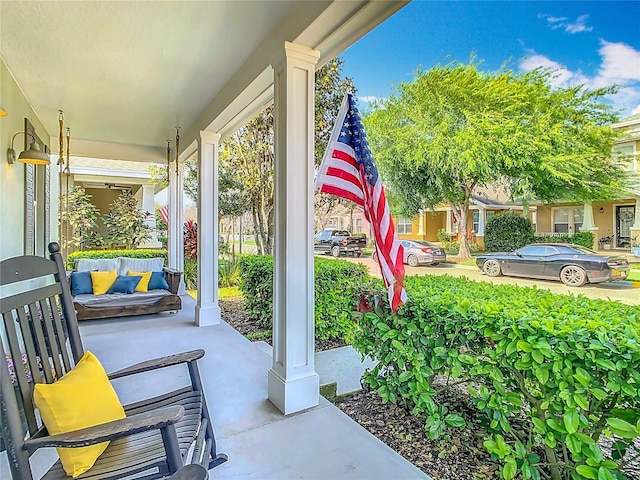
(293, 396)
(207, 315)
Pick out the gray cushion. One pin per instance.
(101, 264)
(140, 265)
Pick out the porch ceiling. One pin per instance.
(125, 73)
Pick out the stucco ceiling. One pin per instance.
(127, 72)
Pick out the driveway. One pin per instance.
(615, 291)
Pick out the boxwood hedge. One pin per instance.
(137, 253)
(336, 282)
(551, 373)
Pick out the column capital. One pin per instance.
(295, 51)
(209, 137)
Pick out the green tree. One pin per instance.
(455, 128)
(249, 152)
(81, 215)
(126, 223)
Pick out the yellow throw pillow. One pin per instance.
(102, 281)
(143, 285)
(82, 398)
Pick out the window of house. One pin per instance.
(403, 226)
(627, 154)
(357, 225)
(475, 221)
(568, 220)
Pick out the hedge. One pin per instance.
(137, 253)
(335, 293)
(550, 373)
(579, 238)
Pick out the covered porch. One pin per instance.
(317, 443)
(139, 73)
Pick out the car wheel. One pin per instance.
(492, 268)
(573, 276)
(412, 260)
(335, 251)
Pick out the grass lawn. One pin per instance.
(634, 273)
(225, 292)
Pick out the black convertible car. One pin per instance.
(574, 265)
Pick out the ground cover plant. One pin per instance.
(549, 374)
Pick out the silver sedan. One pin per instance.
(419, 252)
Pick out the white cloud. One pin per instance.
(620, 66)
(635, 110)
(370, 98)
(620, 62)
(577, 26)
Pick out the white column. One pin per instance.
(174, 229)
(482, 218)
(588, 225)
(148, 205)
(207, 309)
(179, 228)
(635, 229)
(293, 384)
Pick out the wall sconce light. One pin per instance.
(3, 112)
(32, 155)
(601, 210)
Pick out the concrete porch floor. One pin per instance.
(318, 443)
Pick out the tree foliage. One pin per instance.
(249, 153)
(455, 128)
(126, 223)
(81, 215)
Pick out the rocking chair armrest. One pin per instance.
(124, 427)
(148, 365)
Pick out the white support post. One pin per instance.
(148, 205)
(421, 215)
(293, 384)
(174, 229)
(588, 224)
(208, 309)
(482, 219)
(634, 231)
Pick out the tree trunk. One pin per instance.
(256, 230)
(461, 212)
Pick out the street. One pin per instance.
(615, 291)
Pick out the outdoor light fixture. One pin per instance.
(3, 112)
(32, 155)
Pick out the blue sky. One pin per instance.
(590, 43)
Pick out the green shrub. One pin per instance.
(190, 273)
(229, 272)
(141, 253)
(443, 236)
(450, 247)
(579, 238)
(335, 293)
(549, 373)
(507, 232)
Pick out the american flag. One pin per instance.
(164, 213)
(348, 171)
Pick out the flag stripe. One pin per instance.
(348, 170)
(164, 214)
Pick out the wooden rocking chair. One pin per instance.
(158, 436)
